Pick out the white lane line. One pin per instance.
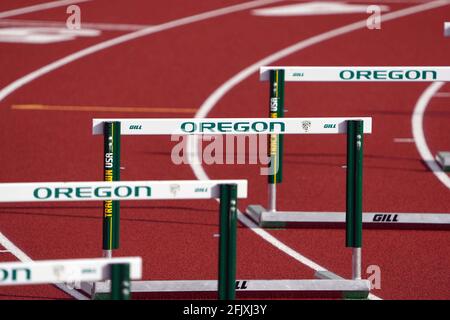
(403, 140)
(59, 24)
(128, 37)
(212, 100)
(419, 136)
(11, 247)
(39, 7)
(23, 257)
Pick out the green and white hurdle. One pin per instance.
(113, 128)
(118, 270)
(271, 216)
(228, 191)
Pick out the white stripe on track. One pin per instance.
(419, 136)
(11, 247)
(212, 100)
(39, 7)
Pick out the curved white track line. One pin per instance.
(128, 37)
(419, 136)
(38, 7)
(220, 92)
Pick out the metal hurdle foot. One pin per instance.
(387, 220)
(160, 289)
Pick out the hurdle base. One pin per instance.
(382, 220)
(207, 289)
(96, 290)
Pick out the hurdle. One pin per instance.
(118, 270)
(228, 191)
(355, 288)
(277, 76)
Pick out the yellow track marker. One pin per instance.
(101, 109)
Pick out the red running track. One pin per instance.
(180, 68)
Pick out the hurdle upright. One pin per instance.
(271, 216)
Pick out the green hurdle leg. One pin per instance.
(111, 169)
(276, 110)
(232, 244)
(354, 183)
(354, 193)
(120, 281)
(227, 242)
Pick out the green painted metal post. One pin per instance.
(227, 242)
(275, 143)
(276, 110)
(111, 170)
(354, 183)
(223, 240)
(232, 243)
(120, 281)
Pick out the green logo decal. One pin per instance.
(388, 74)
(124, 191)
(244, 126)
(15, 274)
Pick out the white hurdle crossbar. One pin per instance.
(116, 190)
(234, 126)
(64, 271)
(117, 272)
(360, 74)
